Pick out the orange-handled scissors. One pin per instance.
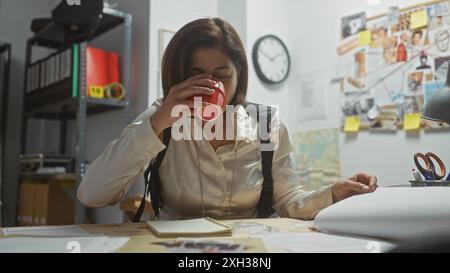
(429, 170)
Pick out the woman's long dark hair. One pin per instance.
(207, 33)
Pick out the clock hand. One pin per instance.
(265, 54)
(278, 55)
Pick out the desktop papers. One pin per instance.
(101, 244)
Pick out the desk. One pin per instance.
(142, 240)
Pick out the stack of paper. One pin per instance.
(315, 242)
(61, 245)
(46, 231)
(393, 213)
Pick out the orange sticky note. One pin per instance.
(352, 124)
(364, 37)
(411, 121)
(418, 19)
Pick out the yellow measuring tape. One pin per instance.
(113, 90)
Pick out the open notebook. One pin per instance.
(193, 227)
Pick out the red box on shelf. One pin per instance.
(102, 68)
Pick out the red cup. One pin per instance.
(216, 102)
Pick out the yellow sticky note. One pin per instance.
(418, 19)
(96, 91)
(411, 121)
(364, 37)
(352, 124)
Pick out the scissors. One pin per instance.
(429, 170)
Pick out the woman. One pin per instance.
(220, 178)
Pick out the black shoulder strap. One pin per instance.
(153, 182)
(265, 203)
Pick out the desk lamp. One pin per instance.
(437, 107)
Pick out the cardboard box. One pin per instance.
(46, 203)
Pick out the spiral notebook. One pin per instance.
(190, 228)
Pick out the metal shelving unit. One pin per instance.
(66, 99)
(5, 62)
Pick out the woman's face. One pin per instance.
(214, 62)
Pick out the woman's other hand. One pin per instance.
(358, 184)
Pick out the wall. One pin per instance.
(235, 12)
(315, 31)
(171, 15)
(267, 17)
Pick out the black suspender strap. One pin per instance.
(265, 203)
(153, 182)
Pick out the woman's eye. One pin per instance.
(222, 76)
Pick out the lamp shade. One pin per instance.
(437, 108)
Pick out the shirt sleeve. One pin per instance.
(112, 174)
(289, 197)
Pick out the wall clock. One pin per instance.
(271, 59)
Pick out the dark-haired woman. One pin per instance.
(220, 177)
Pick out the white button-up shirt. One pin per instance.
(197, 180)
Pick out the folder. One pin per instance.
(41, 74)
(68, 63)
(26, 203)
(57, 64)
(102, 68)
(41, 204)
(28, 79)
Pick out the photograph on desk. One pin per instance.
(230, 127)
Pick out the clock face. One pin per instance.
(271, 59)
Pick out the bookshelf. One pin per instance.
(63, 97)
(5, 62)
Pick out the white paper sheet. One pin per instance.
(46, 231)
(315, 242)
(393, 213)
(309, 97)
(61, 245)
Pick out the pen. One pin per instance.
(417, 175)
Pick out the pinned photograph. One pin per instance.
(417, 42)
(404, 21)
(390, 50)
(353, 85)
(414, 83)
(418, 38)
(357, 105)
(402, 47)
(379, 36)
(386, 120)
(440, 38)
(441, 65)
(412, 104)
(438, 15)
(353, 24)
(424, 62)
(360, 65)
(392, 16)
